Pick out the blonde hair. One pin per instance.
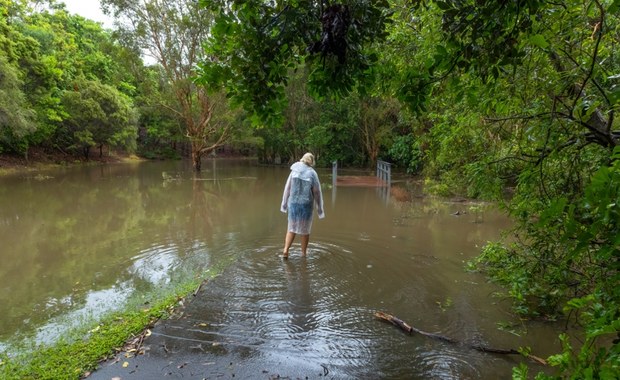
(308, 159)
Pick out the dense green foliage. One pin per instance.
(356, 130)
(254, 44)
(56, 66)
(50, 59)
(98, 115)
(572, 260)
(534, 111)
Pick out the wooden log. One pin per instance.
(407, 328)
(395, 321)
(410, 329)
(199, 287)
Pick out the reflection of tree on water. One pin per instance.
(52, 246)
(203, 209)
(212, 200)
(301, 304)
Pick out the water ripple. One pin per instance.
(447, 364)
(321, 308)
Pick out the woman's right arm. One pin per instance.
(286, 194)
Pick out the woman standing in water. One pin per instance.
(301, 192)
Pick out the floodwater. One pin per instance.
(77, 243)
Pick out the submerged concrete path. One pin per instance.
(258, 320)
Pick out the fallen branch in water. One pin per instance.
(410, 329)
(407, 328)
(199, 287)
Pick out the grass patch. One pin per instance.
(71, 358)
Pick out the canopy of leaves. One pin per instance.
(253, 45)
(16, 118)
(45, 49)
(99, 115)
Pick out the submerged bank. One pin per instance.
(77, 353)
(38, 160)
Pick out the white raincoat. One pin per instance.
(301, 192)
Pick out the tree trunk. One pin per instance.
(373, 153)
(196, 159)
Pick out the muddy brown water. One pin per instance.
(77, 243)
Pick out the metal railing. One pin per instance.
(384, 172)
(384, 175)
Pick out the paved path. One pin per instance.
(258, 320)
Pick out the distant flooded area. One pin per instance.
(79, 242)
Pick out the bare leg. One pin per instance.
(304, 244)
(288, 241)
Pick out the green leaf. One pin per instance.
(443, 5)
(614, 95)
(614, 7)
(539, 41)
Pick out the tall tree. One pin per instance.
(172, 33)
(16, 117)
(378, 118)
(99, 115)
(29, 46)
